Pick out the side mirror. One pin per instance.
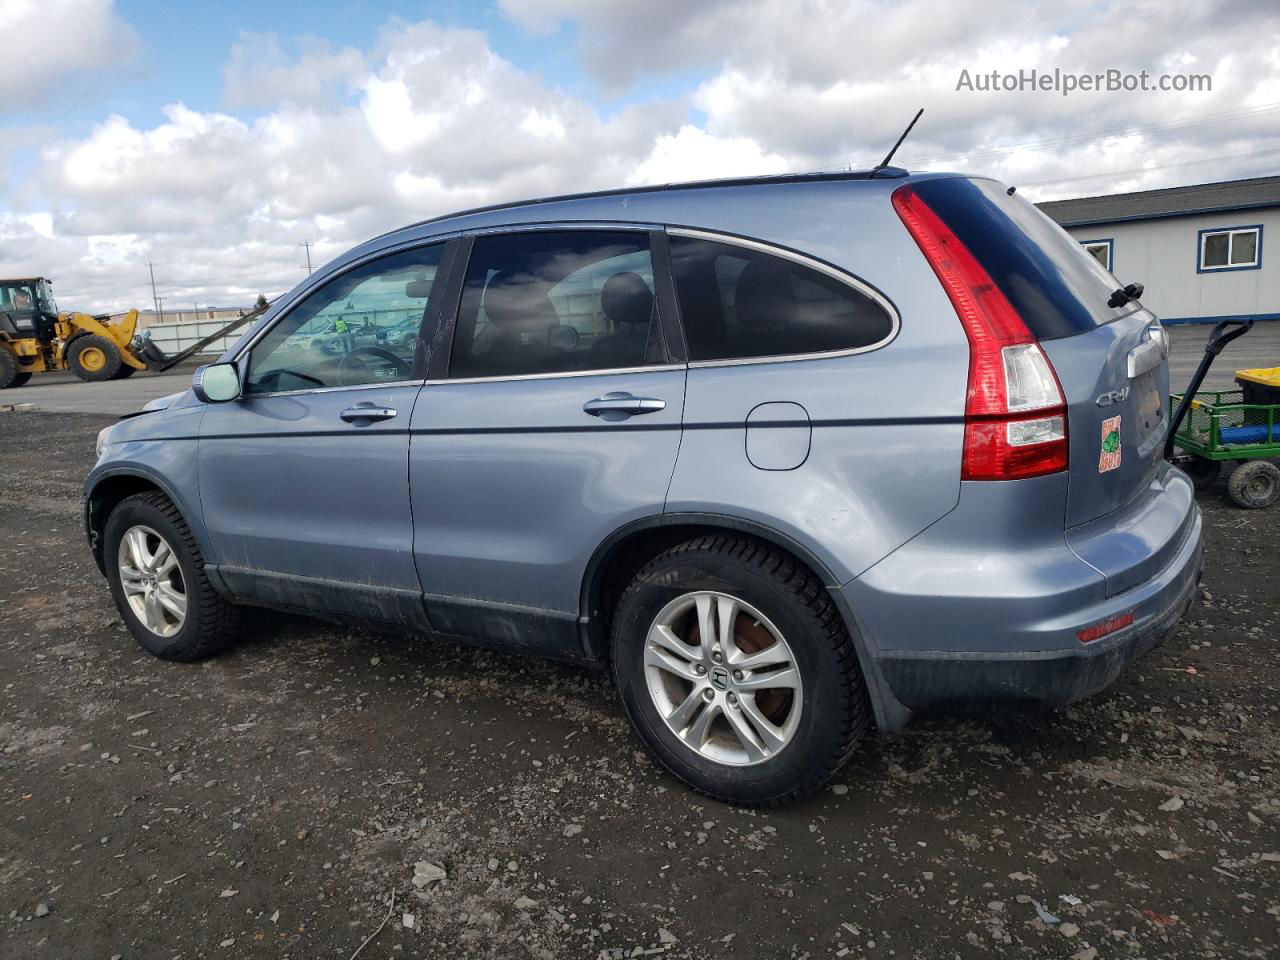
(216, 383)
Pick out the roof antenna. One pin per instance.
(889, 156)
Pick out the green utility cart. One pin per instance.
(1239, 425)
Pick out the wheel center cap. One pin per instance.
(719, 678)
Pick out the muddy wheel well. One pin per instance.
(103, 500)
(617, 562)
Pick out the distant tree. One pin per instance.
(262, 302)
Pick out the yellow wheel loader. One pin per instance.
(35, 338)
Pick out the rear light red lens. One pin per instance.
(988, 455)
(1105, 627)
(993, 448)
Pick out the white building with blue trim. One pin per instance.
(1200, 250)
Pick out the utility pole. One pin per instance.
(307, 244)
(160, 309)
(154, 299)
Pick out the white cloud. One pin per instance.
(345, 144)
(220, 203)
(47, 40)
(825, 83)
(261, 75)
(693, 154)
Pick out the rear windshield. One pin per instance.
(1057, 288)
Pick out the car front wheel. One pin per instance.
(157, 579)
(738, 672)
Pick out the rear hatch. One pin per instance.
(1110, 360)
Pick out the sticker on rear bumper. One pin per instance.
(1109, 459)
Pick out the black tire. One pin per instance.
(125, 371)
(835, 712)
(1203, 473)
(211, 622)
(11, 374)
(81, 350)
(1255, 484)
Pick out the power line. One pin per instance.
(1076, 140)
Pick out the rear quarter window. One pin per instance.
(737, 302)
(1057, 288)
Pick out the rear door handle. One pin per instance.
(622, 404)
(367, 412)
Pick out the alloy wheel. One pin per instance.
(152, 580)
(723, 678)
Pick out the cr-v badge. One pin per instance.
(1113, 396)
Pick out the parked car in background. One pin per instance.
(402, 333)
(790, 456)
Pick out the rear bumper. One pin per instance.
(999, 621)
(1054, 677)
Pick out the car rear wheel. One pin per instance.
(738, 672)
(1255, 484)
(157, 579)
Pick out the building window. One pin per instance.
(1230, 248)
(1100, 250)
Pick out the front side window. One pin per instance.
(737, 302)
(1233, 249)
(1100, 250)
(556, 302)
(17, 297)
(362, 326)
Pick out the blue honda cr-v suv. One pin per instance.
(790, 456)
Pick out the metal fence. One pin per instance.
(175, 337)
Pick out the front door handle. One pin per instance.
(614, 405)
(367, 413)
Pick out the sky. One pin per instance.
(211, 140)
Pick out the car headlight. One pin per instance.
(102, 440)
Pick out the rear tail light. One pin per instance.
(1015, 416)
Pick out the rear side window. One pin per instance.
(1055, 285)
(556, 302)
(737, 302)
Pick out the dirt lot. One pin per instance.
(270, 802)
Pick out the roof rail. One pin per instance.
(881, 173)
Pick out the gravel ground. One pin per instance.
(273, 801)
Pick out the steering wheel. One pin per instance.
(349, 377)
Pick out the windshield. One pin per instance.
(44, 298)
